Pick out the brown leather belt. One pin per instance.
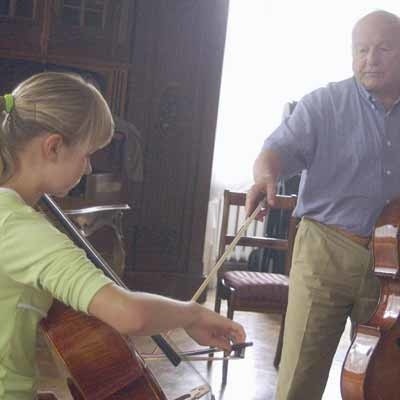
(361, 240)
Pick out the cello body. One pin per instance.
(101, 363)
(371, 370)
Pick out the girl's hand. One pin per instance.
(212, 329)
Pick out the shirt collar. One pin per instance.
(369, 97)
(11, 191)
(364, 92)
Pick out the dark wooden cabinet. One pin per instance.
(97, 30)
(21, 26)
(159, 64)
(89, 36)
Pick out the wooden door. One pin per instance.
(173, 93)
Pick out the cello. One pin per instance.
(371, 370)
(102, 364)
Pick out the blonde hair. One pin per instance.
(52, 102)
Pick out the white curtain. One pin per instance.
(276, 51)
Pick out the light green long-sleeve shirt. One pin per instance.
(37, 263)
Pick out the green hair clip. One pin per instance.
(9, 102)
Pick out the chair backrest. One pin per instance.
(233, 202)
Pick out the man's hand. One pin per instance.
(265, 189)
(266, 169)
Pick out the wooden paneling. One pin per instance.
(173, 95)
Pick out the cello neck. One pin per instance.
(99, 262)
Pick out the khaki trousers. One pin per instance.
(331, 279)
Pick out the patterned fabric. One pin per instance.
(260, 289)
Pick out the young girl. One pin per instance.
(50, 125)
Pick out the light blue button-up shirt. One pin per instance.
(348, 149)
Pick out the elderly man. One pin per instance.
(345, 138)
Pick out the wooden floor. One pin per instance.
(253, 378)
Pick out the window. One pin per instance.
(84, 13)
(18, 8)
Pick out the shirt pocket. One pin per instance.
(358, 157)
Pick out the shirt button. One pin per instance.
(389, 143)
(388, 172)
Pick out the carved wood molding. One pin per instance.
(159, 239)
(117, 91)
(169, 111)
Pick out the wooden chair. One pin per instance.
(251, 290)
(46, 396)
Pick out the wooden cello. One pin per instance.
(371, 370)
(103, 365)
